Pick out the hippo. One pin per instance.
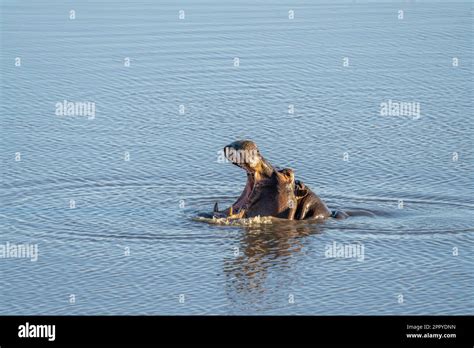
(271, 191)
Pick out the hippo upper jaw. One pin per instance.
(244, 154)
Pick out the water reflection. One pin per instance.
(263, 248)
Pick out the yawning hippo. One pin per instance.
(271, 191)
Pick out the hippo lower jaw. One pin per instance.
(237, 210)
(244, 198)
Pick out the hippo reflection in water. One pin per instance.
(271, 191)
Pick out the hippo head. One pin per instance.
(268, 191)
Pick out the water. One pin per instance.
(403, 169)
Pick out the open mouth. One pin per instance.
(245, 155)
(240, 158)
(244, 198)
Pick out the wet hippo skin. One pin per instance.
(271, 191)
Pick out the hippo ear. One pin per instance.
(287, 174)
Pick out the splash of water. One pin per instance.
(257, 220)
